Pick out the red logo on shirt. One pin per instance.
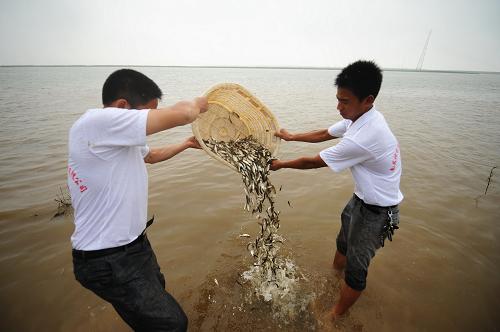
(76, 180)
(395, 158)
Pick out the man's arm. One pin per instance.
(179, 114)
(299, 163)
(156, 155)
(315, 136)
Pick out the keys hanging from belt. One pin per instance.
(389, 228)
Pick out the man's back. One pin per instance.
(108, 182)
(107, 177)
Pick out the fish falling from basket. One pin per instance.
(238, 130)
(233, 114)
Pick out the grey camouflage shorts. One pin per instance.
(360, 236)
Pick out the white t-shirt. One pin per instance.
(370, 150)
(107, 177)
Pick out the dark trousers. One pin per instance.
(131, 281)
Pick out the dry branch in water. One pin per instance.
(487, 186)
(63, 200)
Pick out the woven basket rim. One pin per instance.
(254, 100)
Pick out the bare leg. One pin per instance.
(339, 261)
(348, 297)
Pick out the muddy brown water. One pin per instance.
(441, 272)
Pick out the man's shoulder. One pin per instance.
(373, 132)
(99, 113)
(94, 116)
(375, 125)
(88, 115)
(89, 119)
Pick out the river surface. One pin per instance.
(441, 272)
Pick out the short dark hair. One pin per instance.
(362, 78)
(134, 87)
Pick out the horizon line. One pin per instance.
(268, 67)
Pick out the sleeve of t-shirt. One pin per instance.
(343, 155)
(338, 129)
(145, 151)
(117, 127)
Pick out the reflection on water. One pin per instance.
(439, 273)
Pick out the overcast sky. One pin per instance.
(465, 33)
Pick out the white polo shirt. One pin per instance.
(370, 150)
(107, 177)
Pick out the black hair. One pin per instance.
(136, 88)
(362, 78)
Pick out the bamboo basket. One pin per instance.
(234, 113)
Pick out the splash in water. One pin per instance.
(271, 276)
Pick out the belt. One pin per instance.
(373, 207)
(86, 254)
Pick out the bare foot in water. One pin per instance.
(325, 322)
(334, 315)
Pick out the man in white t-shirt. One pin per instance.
(370, 150)
(108, 183)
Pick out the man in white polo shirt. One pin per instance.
(108, 183)
(370, 150)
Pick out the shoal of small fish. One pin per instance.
(252, 160)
